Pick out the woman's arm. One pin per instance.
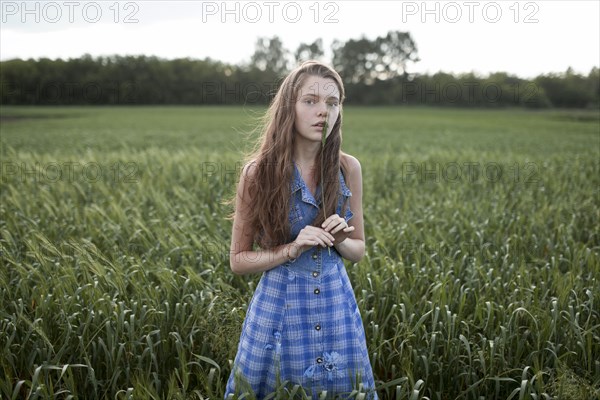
(351, 245)
(244, 260)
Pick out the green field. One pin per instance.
(481, 279)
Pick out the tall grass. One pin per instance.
(115, 279)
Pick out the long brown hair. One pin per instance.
(272, 160)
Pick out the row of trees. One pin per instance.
(374, 72)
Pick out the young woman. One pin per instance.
(302, 325)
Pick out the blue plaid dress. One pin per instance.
(303, 324)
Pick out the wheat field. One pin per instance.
(481, 279)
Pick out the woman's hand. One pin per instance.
(337, 226)
(308, 237)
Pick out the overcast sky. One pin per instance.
(525, 38)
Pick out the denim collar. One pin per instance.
(299, 184)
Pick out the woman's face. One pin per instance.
(315, 98)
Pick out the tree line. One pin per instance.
(374, 71)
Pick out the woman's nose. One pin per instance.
(322, 108)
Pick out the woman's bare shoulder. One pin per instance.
(350, 163)
(249, 169)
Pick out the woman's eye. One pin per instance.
(313, 101)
